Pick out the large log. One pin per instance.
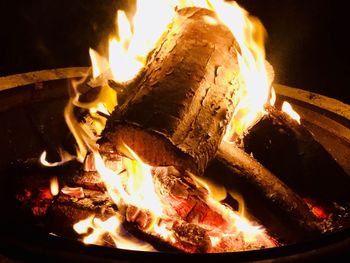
(282, 211)
(291, 152)
(179, 109)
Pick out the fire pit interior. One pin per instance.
(181, 145)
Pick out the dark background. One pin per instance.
(306, 39)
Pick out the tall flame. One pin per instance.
(128, 52)
(254, 86)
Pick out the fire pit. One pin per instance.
(182, 147)
(39, 90)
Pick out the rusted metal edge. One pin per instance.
(22, 79)
(315, 99)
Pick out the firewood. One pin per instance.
(282, 211)
(66, 211)
(179, 110)
(292, 153)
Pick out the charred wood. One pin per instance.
(292, 153)
(268, 199)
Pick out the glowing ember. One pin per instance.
(287, 108)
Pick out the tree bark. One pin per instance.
(179, 110)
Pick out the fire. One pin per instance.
(287, 108)
(131, 184)
(138, 190)
(128, 52)
(254, 87)
(65, 157)
(113, 227)
(54, 186)
(273, 97)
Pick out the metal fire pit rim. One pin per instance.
(59, 248)
(22, 79)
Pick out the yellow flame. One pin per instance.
(54, 186)
(128, 52)
(218, 192)
(65, 157)
(254, 86)
(113, 227)
(287, 108)
(240, 224)
(83, 225)
(98, 62)
(273, 97)
(137, 191)
(86, 134)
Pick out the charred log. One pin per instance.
(65, 211)
(267, 198)
(179, 109)
(292, 153)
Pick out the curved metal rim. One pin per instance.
(23, 79)
(40, 245)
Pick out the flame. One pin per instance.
(54, 186)
(86, 134)
(273, 97)
(113, 227)
(132, 183)
(218, 192)
(128, 51)
(138, 190)
(98, 62)
(65, 157)
(254, 86)
(287, 108)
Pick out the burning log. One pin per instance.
(203, 219)
(71, 210)
(191, 219)
(291, 152)
(265, 196)
(178, 112)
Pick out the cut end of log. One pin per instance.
(151, 147)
